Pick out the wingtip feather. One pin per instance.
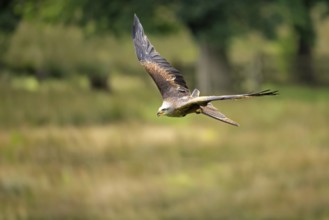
(136, 26)
(141, 42)
(265, 93)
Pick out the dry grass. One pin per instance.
(273, 167)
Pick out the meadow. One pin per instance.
(67, 152)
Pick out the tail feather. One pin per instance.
(213, 113)
(264, 93)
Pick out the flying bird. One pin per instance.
(178, 101)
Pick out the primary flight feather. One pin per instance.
(178, 101)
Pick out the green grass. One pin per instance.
(70, 153)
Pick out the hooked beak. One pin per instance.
(159, 113)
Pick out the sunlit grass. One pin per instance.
(62, 158)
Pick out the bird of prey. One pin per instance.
(178, 101)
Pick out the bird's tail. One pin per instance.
(212, 112)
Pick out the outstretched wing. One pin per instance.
(206, 99)
(169, 81)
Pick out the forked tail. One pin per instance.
(213, 113)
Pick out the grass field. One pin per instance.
(70, 153)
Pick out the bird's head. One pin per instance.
(165, 109)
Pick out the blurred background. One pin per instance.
(79, 136)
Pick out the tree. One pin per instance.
(298, 16)
(8, 17)
(101, 17)
(214, 24)
(8, 21)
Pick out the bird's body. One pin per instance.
(179, 109)
(178, 101)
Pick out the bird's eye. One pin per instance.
(164, 109)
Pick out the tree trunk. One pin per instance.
(213, 69)
(304, 71)
(99, 82)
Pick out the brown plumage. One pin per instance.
(168, 79)
(177, 98)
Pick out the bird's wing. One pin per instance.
(212, 112)
(206, 99)
(169, 80)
